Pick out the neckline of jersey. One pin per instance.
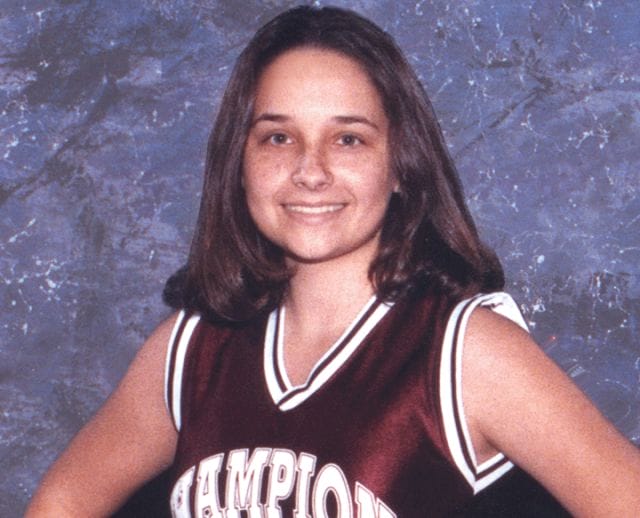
(287, 396)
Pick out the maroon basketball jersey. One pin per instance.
(377, 430)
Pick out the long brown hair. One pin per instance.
(428, 239)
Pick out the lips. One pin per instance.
(314, 209)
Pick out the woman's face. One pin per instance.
(316, 162)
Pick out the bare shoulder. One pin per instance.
(519, 402)
(127, 442)
(505, 373)
(488, 331)
(500, 360)
(154, 351)
(145, 379)
(497, 350)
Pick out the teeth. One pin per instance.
(306, 209)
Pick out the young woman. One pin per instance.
(343, 347)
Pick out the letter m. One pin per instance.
(244, 481)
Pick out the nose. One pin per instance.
(311, 171)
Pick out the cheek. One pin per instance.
(257, 211)
(260, 193)
(263, 171)
(255, 177)
(250, 187)
(254, 198)
(378, 184)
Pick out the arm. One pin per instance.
(130, 440)
(519, 402)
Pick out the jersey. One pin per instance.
(378, 429)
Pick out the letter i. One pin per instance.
(306, 468)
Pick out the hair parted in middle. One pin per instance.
(428, 239)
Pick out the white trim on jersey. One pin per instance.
(176, 354)
(283, 393)
(167, 362)
(479, 476)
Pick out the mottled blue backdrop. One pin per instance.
(105, 108)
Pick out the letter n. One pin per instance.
(369, 506)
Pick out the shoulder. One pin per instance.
(158, 341)
(146, 373)
(490, 334)
(519, 402)
(500, 353)
(502, 369)
(486, 337)
(130, 440)
(150, 360)
(475, 319)
(507, 385)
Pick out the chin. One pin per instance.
(310, 258)
(321, 251)
(311, 254)
(316, 257)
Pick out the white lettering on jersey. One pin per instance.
(306, 469)
(206, 503)
(287, 475)
(282, 478)
(369, 506)
(180, 504)
(331, 479)
(244, 481)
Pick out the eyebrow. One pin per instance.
(355, 119)
(270, 117)
(342, 119)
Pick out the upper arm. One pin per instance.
(130, 439)
(519, 402)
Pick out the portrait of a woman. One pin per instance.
(342, 344)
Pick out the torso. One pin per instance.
(364, 436)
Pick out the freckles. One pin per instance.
(271, 170)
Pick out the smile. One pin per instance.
(319, 209)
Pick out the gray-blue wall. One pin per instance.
(105, 108)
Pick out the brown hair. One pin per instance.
(428, 239)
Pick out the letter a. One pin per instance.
(206, 502)
(180, 495)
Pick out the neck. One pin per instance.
(327, 290)
(322, 301)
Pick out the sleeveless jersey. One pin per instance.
(377, 431)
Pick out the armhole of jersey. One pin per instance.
(174, 367)
(479, 476)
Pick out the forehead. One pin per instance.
(303, 75)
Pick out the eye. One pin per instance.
(349, 140)
(278, 139)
